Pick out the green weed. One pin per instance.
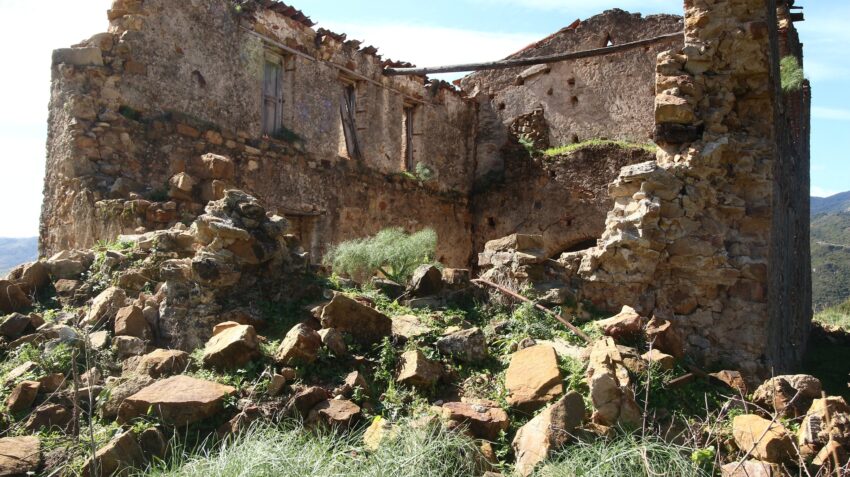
(598, 143)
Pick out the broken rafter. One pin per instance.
(573, 328)
(513, 63)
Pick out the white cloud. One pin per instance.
(822, 192)
(834, 114)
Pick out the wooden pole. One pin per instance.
(540, 307)
(538, 60)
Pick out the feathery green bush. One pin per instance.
(392, 252)
(791, 74)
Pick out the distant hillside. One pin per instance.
(830, 258)
(15, 251)
(830, 205)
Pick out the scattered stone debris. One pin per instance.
(177, 401)
(418, 371)
(548, 431)
(19, 455)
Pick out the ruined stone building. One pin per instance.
(180, 100)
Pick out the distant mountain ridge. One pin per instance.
(830, 250)
(15, 251)
(832, 204)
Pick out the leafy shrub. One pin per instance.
(423, 172)
(391, 252)
(791, 74)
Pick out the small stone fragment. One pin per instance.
(119, 455)
(153, 443)
(548, 431)
(22, 396)
(408, 327)
(335, 413)
(52, 382)
(768, 441)
(418, 371)
(334, 341)
(427, 280)
(305, 399)
(379, 432)
(19, 455)
(15, 325)
(533, 377)
(300, 346)
(99, 340)
(483, 421)
(177, 401)
(469, 346)
(664, 337)
(363, 323)
(105, 306)
(163, 362)
(750, 468)
(49, 416)
(232, 348)
(130, 321)
(627, 323)
(663, 360)
(733, 379)
(127, 346)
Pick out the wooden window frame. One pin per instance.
(272, 98)
(348, 119)
(408, 132)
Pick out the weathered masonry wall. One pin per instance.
(712, 233)
(134, 109)
(608, 96)
(174, 104)
(563, 198)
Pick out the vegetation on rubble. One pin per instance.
(598, 143)
(287, 135)
(830, 242)
(838, 315)
(634, 455)
(392, 252)
(686, 429)
(289, 450)
(791, 74)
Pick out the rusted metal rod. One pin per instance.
(540, 307)
(537, 60)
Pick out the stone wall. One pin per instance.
(608, 96)
(712, 234)
(564, 198)
(160, 115)
(133, 109)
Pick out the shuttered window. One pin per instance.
(272, 96)
(348, 113)
(407, 138)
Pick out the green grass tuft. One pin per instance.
(838, 315)
(599, 143)
(292, 451)
(791, 74)
(630, 455)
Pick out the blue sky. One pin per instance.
(426, 33)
